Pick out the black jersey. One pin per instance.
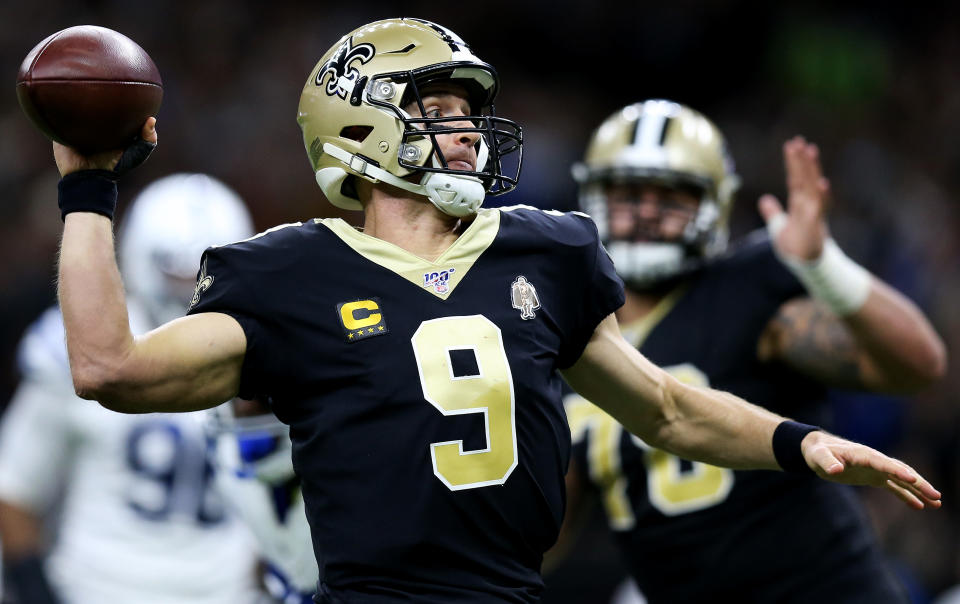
(691, 532)
(423, 397)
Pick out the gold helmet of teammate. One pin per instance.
(355, 126)
(659, 143)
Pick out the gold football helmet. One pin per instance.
(354, 123)
(667, 144)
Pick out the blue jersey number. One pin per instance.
(173, 475)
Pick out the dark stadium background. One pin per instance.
(877, 88)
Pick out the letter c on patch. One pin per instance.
(348, 314)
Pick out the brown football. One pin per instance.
(89, 87)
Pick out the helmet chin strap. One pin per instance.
(452, 194)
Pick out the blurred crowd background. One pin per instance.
(877, 88)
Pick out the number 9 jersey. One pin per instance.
(423, 397)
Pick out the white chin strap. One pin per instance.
(454, 195)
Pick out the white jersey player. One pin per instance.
(255, 474)
(138, 516)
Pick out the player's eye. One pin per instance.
(433, 112)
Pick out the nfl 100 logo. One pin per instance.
(438, 280)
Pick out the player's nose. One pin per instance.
(468, 135)
(647, 205)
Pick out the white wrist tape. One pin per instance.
(833, 278)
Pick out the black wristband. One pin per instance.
(786, 446)
(88, 191)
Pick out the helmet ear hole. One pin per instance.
(349, 187)
(356, 133)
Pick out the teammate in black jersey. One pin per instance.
(657, 180)
(417, 361)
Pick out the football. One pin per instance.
(89, 87)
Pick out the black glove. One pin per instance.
(134, 155)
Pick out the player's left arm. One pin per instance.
(855, 331)
(718, 428)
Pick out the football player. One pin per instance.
(416, 361)
(777, 319)
(256, 478)
(132, 497)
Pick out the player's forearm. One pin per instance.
(693, 423)
(903, 352)
(715, 427)
(92, 302)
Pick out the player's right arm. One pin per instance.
(188, 364)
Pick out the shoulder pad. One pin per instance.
(43, 348)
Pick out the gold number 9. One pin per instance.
(488, 392)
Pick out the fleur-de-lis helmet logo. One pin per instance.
(342, 75)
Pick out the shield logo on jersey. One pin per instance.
(523, 297)
(342, 75)
(439, 280)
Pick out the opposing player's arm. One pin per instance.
(191, 363)
(886, 346)
(36, 446)
(23, 552)
(716, 427)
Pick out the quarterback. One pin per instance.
(417, 361)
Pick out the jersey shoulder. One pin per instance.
(534, 226)
(252, 267)
(42, 352)
(266, 248)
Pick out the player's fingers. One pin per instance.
(811, 153)
(822, 458)
(899, 472)
(866, 457)
(793, 164)
(911, 480)
(769, 207)
(149, 131)
(926, 496)
(904, 495)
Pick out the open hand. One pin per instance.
(839, 460)
(803, 227)
(69, 160)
